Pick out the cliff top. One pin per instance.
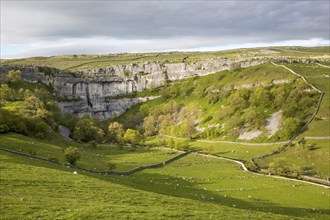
(83, 62)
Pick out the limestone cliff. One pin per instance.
(92, 86)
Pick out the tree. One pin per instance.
(13, 76)
(150, 125)
(115, 131)
(281, 166)
(254, 117)
(72, 155)
(234, 123)
(260, 97)
(6, 93)
(86, 130)
(133, 137)
(41, 129)
(291, 126)
(187, 129)
(236, 101)
(33, 104)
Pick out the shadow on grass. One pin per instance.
(186, 188)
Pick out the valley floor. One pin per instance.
(194, 187)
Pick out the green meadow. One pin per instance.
(194, 187)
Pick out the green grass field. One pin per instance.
(125, 158)
(228, 150)
(193, 187)
(315, 162)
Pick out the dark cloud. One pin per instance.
(232, 22)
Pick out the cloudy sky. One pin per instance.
(45, 28)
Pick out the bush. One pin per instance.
(150, 125)
(115, 132)
(133, 137)
(281, 166)
(72, 155)
(86, 130)
(13, 76)
(41, 129)
(291, 126)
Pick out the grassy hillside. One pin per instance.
(91, 157)
(312, 155)
(226, 104)
(194, 187)
(319, 77)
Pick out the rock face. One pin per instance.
(101, 108)
(92, 87)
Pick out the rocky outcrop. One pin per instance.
(101, 108)
(93, 86)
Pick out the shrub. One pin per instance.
(13, 76)
(187, 129)
(41, 129)
(86, 130)
(281, 166)
(291, 126)
(115, 132)
(150, 125)
(133, 137)
(72, 155)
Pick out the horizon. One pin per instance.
(173, 51)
